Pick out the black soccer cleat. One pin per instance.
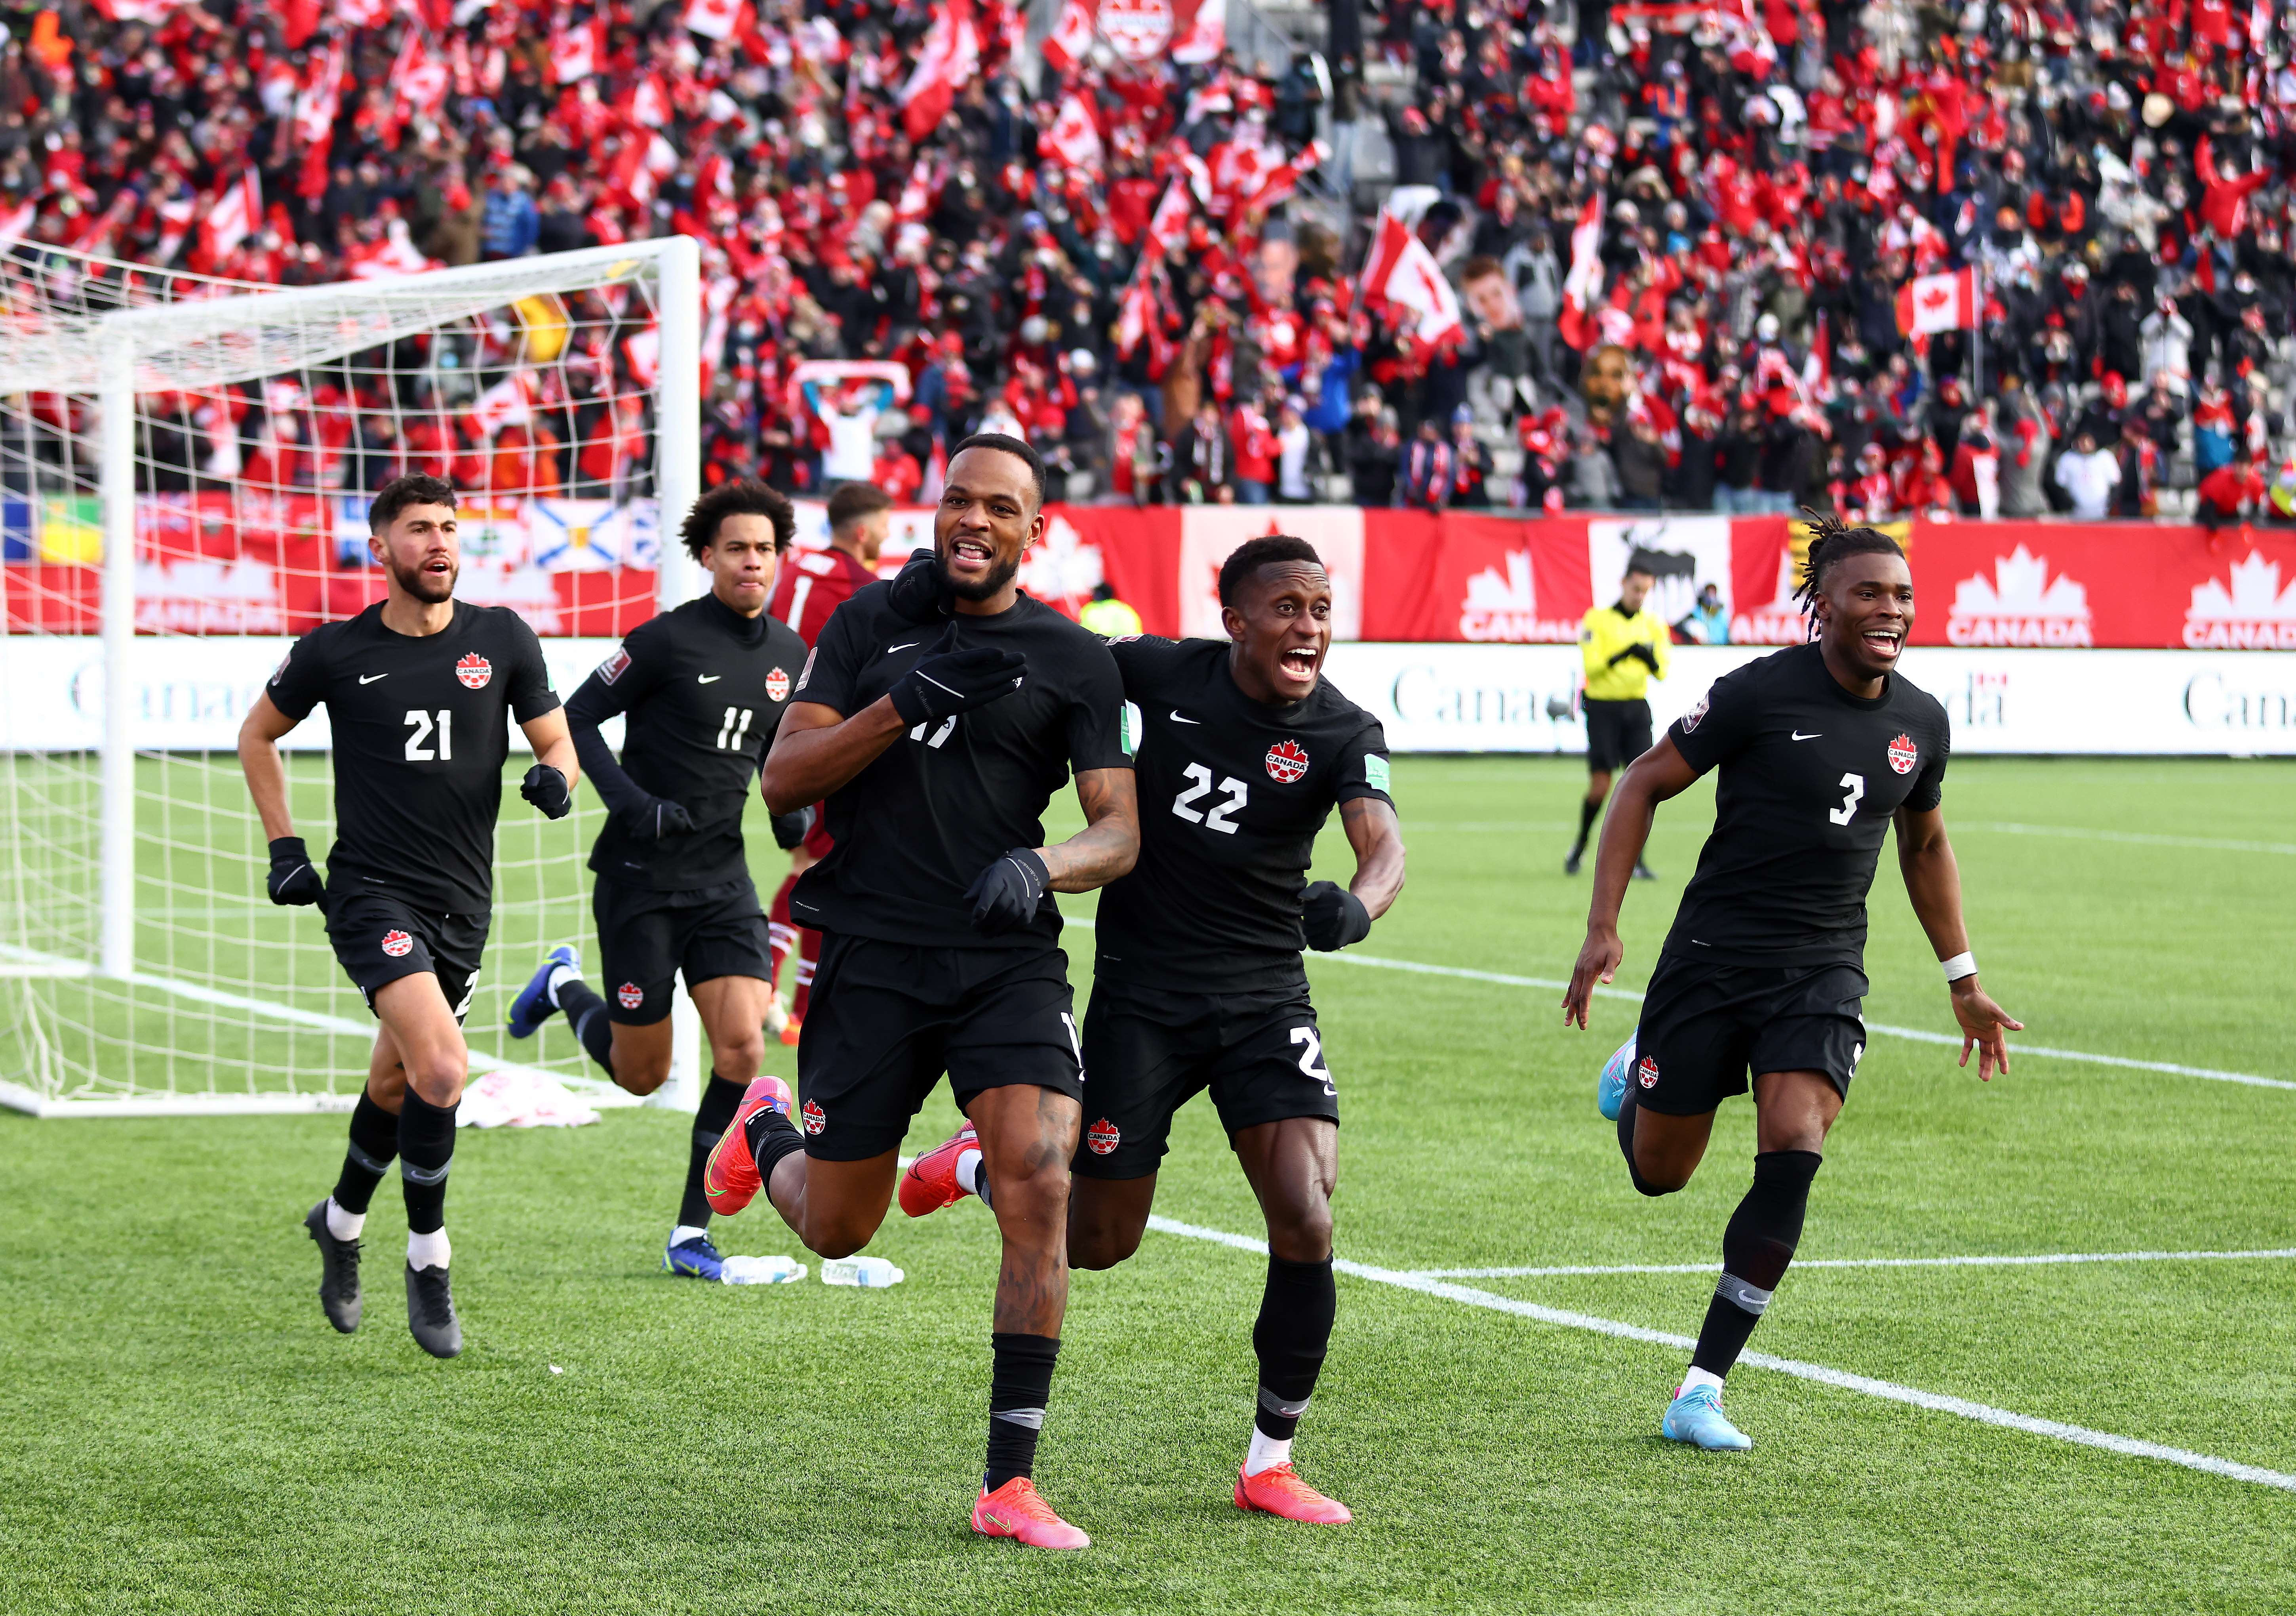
(430, 1311)
(1570, 864)
(1643, 872)
(339, 1271)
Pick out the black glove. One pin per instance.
(1645, 654)
(1007, 892)
(945, 681)
(1332, 916)
(655, 820)
(545, 788)
(790, 830)
(293, 880)
(919, 593)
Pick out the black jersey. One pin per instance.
(704, 688)
(420, 729)
(1810, 776)
(935, 808)
(1232, 794)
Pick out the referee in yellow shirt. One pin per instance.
(1624, 646)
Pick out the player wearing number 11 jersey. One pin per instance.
(1822, 749)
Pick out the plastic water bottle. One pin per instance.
(763, 1270)
(871, 1273)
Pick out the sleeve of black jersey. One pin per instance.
(1928, 786)
(1363, 767)
(615, 686)
(833, 664)
(299, 681)
(1719, 724)
(1139, 658)
(530, 696)
(1096, 713)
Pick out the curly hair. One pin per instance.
(1832, 539)
(743, 496)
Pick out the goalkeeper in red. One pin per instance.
(1822, 748)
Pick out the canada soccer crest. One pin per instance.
(1646, 1073)
(777, 684)
(1904, 754)
(815, 1118)
(398, 944)
(1287, 760)
(474, 670)
(1103, 1137)
(631, 994)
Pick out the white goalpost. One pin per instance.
(184, 467)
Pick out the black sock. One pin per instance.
(719, 1102)
(771, 1137)
(1626, 1109)
(586, 1014)
(375, 1141)
(1018, 1387)
(1293, 1332)
(1586, 812)
(426, 1149)
(1755, 1248)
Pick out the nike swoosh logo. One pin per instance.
(1177, 719)
(369, 678)
(1799, 736)
(910, 645)
(708, 678)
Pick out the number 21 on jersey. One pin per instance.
(1217, 816)
(419, 748)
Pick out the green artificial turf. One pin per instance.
(179, 1429)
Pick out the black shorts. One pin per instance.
(645, 938)
(888, 1019)
(1616, 734)
(379, 940)
(1707, 1029)
(1146, 1054)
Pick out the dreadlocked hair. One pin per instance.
(1832, 539)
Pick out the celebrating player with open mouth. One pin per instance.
(1821, 748)
(1244, 753)
(937, 715)
(704, 686)
(417, 689)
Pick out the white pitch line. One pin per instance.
(2034, 1261)
(2137, 838)
(1919, 1035)
(1888, 1390)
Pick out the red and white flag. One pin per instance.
(713, 18)
(1070, 38)
(17, 222)
(1281, 181)
(509, 402)
(574, 51)
(1074, 138)
(1584, 285)
(1938, 302)
(363, 14)
(645, 351)
(1168, 227)
(1404, 274)
(175, 217)
(418, 82)
(138, 11)
(321, 97)
(1205, 36)
(651, 105)
(235, 214)
(950, 54)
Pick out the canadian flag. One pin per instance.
(1938, 302)
(951, 51)
(1168, 227)
(175, 217)
(396, 254)
(574, 51)
(1404, 274)
(418, 80)
(645, 351)
(1075, 139)
(1136, 314)
(236, 214)
(17, 221)
(507, 403)
(1284, 179)
(321, 98)
(651, 105)
(713, 18)
(1207, 35)
(363, 14)
(1070, 38)
(138, 11)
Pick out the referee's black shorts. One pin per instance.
(1616, 734)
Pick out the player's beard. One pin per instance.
(424, 584)
(999, 574)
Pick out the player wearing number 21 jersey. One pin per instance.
(1821, 749)
(1242, 753)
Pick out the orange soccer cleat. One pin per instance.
(792, 1028)
(1278, 1491)
(730, 1178)
(1015, 1511)
(931, 1183)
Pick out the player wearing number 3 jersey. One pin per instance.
(1821, 749)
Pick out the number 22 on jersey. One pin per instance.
(1217, 817)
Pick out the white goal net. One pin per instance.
(185, 469)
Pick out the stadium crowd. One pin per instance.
(1677, 244)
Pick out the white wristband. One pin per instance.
(1963, 963)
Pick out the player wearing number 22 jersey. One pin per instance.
(1243, 751)
(1820, 751)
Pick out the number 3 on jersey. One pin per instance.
(1217, 817)
(1855, 785)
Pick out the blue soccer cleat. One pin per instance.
(1695, 1417)
(1610, 1087)
(534, 1005)
(695, 1259)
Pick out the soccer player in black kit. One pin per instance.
(1244, 753)
(1821, 748)
(418, 689)
(937, 715)
(704, 686)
